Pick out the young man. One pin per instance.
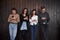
(43, 21)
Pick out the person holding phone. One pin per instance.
(44, 21)
(24, 24)
(33, 19)
(13, 20)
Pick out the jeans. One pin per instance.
(33, 32)
(45, 31)
(12, 31)
(24, 34)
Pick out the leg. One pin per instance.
(32, 33)
(14, 31)
(23, 34)
(10, 31)
(36, 29)
(35, 32)
(44, 30)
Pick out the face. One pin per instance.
(43, 10)
(14, 11)
(34, 12)
(25, 11)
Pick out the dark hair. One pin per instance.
(42, 7)
(32, 13)
(14, 9)
(23, 11)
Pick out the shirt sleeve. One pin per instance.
(30, 20)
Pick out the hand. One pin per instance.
(44, 23)
(26, 18)
(34, 21)
(43, 18)
(13, 20)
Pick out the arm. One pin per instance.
(30, 20)
(26, 18)
(18, 18)
(37, 19)
(9, 18)
(48, 18)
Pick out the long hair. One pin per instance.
(32, 13)
(23, 11)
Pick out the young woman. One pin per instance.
(13, 22)
(24, 23)
(33, 22)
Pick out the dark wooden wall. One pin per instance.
(51, 5)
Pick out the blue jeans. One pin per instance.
(33, 32)
(12, 31)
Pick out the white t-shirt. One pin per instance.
(32, 22)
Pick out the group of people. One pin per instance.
(24, 20)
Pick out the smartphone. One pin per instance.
(12, 16)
